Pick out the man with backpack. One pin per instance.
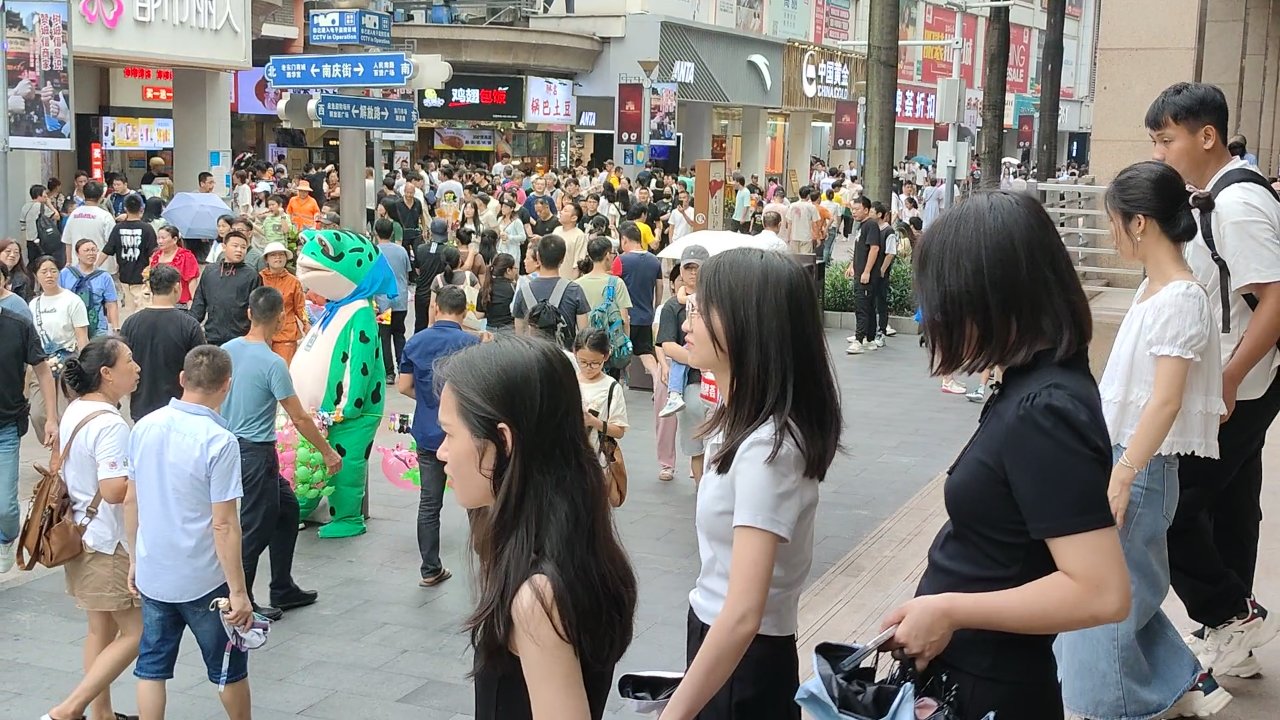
(610, 302)
(551, 305)
(39, 225)
(1213, 540)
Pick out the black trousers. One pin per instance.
(392, 337)
(864, 308)
(762, 687)
(1213, 541)
(880, 291)
(421, 312)
(268, 517)
(1035, 699)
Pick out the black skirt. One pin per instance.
(501, 693)
(762, 687)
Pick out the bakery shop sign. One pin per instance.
(815, 77)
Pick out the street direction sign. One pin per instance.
(362, 70)
(349, 27)
(362, 113)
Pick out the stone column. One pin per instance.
(755, 133)
(696, 127)
(201, 123)
(799, 147)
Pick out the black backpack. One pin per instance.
(48, 237)
(545, 316)
(1231, 177)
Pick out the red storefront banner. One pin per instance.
(916, 105)
(844, 126)
(1019, 80)
(629, 129)
(940, 24)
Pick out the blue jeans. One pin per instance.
(162, 626)
(10, 512)
(676, 378)
(1139, 667)
(833, 232)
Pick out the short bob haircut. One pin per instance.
(763, 316)
(1191, 106)
(996, 286)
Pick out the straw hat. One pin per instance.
(275, 247)
(303, 186)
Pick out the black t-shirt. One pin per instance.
(410, 217)
(317, 186)
(429, 264)
(545, 227)
(160, 339)
(131, 242)
(671, 329)
(19, 347)
(1036, 468)
(498, 312)
(869, 235)
(585, 222)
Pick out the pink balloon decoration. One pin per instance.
(396, 463)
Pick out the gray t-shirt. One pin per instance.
(398, 258)
(572, 304)
(259, 380)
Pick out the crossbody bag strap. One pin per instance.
(58, 457)
(608, 408)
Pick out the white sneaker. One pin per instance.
(1205, 698)
(1229, 645)
(855, 348)
(977, 396)
(851, 339)
(889, 331)
(879, 341)
(7, 551)
(952, 387)
(674, 404)
(870, 345)
(1248, 669)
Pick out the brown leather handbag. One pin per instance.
(50, 535)
(615, 469)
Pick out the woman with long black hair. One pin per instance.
(556, 592)
(1031, 548)
(754, 323)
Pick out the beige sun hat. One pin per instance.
(275, 247)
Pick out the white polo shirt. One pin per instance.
(771, 495)
(100, 451)
(1246, 231)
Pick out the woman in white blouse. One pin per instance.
(511, 234)
(755, 324)
(95, 441)
(1162, 397)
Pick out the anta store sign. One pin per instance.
(474, 97)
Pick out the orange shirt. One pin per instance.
(303, 211)
(293, 322)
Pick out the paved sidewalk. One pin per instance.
(848, 603)
(377, 646)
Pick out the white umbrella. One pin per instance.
(715, 241)
(1010, 161)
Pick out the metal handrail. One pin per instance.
(1079, 212)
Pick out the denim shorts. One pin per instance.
(162, 626)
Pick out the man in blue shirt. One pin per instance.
(392, 334)
(269, 511)
(424, 349)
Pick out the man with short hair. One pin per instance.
(449, 190)
(184, 527)
(805, 222)
(549, 284)
(1213, 541)
(741, 205)
(428, 263)
(221, 302)
(131, 243)
(39, 206)
(575, 239)
(590, 210)
(671, 338)
(866, 254)
(119, 191)
(542, 222)
(160, 336)
(411, 212)
(424, 350)
(89, 221)
(769, 235)
(269, 511)
(205, 182)
(391, 333)
(539, 193)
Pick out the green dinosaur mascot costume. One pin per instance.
(338, 367)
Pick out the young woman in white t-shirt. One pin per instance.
(755, 325)
(1161, 397)
(97, 464)
(600, 412)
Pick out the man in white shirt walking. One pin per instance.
(88, 221)
(181, 516)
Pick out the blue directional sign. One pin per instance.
(349, 27)
(369, 70)
(362, 113)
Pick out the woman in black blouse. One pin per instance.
(556, 595)
(1030, 549)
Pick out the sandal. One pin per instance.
(436, 579)
(667, 475)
